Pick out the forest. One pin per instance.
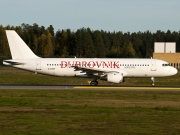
(86, 43)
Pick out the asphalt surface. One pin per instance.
(85, 87)
(40, 87)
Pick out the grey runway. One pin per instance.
(34, 87)
(85, 87)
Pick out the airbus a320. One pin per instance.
(113, 70)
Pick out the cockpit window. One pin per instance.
(165, 65)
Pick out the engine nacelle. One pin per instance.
(115, 77)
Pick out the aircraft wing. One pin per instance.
(91, 70)
(98, 72)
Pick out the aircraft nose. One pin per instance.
(174, 71)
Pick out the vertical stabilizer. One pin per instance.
(18, 48)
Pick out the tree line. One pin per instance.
(87, 43)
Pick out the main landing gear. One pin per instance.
(94, 82)
(152, 79)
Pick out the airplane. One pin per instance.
(113, 70)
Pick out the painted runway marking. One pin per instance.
(129, 88)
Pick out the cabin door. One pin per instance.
(153, 65)
(38, 65)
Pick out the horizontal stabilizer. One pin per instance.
(12, 63)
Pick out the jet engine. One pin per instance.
(115, 77)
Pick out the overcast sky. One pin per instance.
(107, 15)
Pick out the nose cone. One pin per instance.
(174, 71)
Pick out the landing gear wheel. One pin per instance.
(152, 79)
(94, 83)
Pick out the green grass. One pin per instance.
(88, 112)
(10, 75)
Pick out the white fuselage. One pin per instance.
(128, 67)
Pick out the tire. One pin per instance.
(94, 83)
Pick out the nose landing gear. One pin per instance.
(152, 79)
